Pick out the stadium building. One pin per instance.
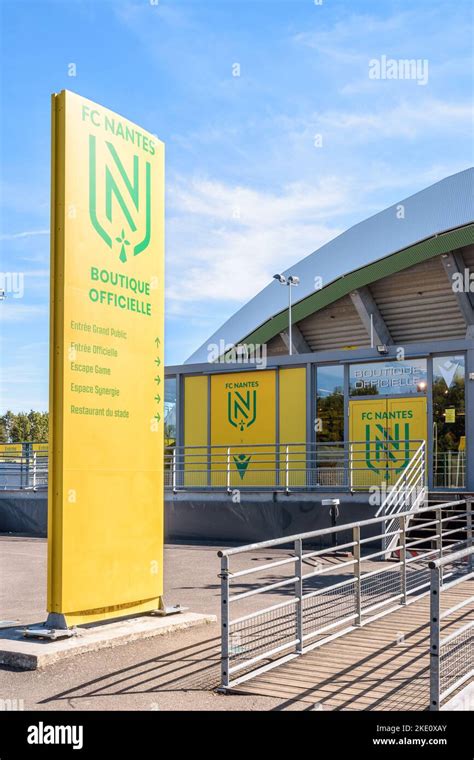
(369, 381)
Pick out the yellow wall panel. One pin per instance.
(243, 412)
(292, 408)
(195, 462)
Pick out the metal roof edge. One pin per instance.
(396, 262)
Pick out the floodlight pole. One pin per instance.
(289, 281)
(289, 318)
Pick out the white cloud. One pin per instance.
(14, 311)
(408, 120)
(25, 234)
(231, 259)
(213, 257)
(423, 117)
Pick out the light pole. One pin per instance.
(291, 280)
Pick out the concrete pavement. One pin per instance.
(178, 671)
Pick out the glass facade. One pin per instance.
(170, 411)
(329, 425)
(449, 421)
(419, 399)
(401, 378)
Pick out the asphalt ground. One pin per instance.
(178, 671)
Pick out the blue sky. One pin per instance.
(248, 191)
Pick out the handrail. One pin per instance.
(454, 557)
(295, 466)
(451, 663)
(309, 466)
(329, 598)
(294, 443)
(328, 531)
(395, 492)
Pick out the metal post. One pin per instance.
(228, 470)
(334, 516)
(435, 587)
(290, 336)
(333, 505)
(299, 594)
(23, 457)
(209, 464)
(224, 622)
(34, 469)
(351, 476)
(287, 472)
(423, 464)
(358, 590)
(174, 470)
(469, 532)
(439, 540)
(403, 557)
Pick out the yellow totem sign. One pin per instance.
(106, 380)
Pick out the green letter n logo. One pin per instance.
(130, 215)
(241, 409)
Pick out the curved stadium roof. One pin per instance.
(435, 220)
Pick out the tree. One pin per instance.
(29, 427)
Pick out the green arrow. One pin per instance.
(157, 417)
(157, 379)
(158, 399)
(157, 341)
(157, 361)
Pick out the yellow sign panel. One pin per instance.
(106, 448)
(9, 451)
(450, 415)
(243, 411)
(385, 433)
(40, 449)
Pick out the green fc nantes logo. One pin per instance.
(389, 452)
(241, 414)
(120, 200)
(241, 408)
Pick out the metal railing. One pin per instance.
(449, 469)
(408, 493)
(351, 465)
(451, 651)
(23, 469)
(303, 610)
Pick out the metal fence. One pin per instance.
(22, 468)
(451, 653)
(352, 465)
(275, 611)
(449, 469)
